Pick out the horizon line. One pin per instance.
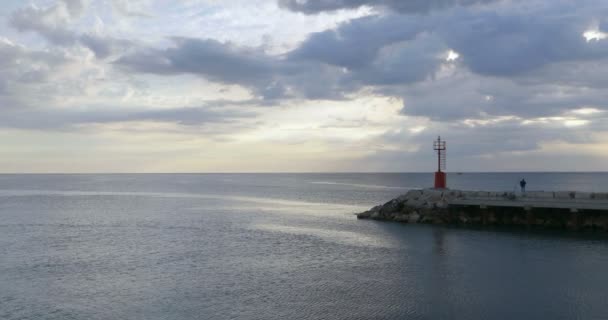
(293, 172)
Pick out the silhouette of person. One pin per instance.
(522, 184)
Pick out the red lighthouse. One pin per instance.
(440, 177)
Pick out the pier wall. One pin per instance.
(552, 210)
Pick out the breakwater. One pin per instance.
(553, 210)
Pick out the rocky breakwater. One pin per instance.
(554, 210)
(416, 206)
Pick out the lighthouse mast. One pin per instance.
(440, 176)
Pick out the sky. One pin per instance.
(302, 85)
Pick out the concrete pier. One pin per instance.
(535, 199)
(567, 210)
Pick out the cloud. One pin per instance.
(75, 7)
(517, 71)
(513, 42)
(129, 8)
(499, 143)
(52, 24)
(104, 46)
(65, 118)
(19, 64)
(326, 65)
(356, 43)
(523, 61)
(401, 6)
(48, 22)
(216, 61)
(268, 76)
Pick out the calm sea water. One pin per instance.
(280, 246)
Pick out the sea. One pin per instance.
(282, 246)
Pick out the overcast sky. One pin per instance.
(302, 85)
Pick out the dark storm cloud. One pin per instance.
(465, 95)
(401, 6)
(221, 62)
(215, 61)
(512, 43)
(269, 77)
(326, 65)
(356, 43)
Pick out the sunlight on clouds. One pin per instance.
(452, 55)
(418, 129)
(596, 35)
(484, 122)
(574, 118)
(575, 122)
(583, 149)
(586, 111)
(333, 120)
(565, 121)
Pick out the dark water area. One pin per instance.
(281, 246)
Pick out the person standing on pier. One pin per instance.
(522, 184)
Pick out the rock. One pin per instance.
(432, 195)
(414, 217)
(391, 207)
(415, 203)
(375, 215)
(413, 194)
(442, 204)
(367, 214)
(432, 206)
(402, 218)
(425, 219)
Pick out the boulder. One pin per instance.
(415, 203)
(375, 215)
(442, 204)
(402, 218)
(412, 194)
(413, 217)
(432, 195)
(392, 206)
